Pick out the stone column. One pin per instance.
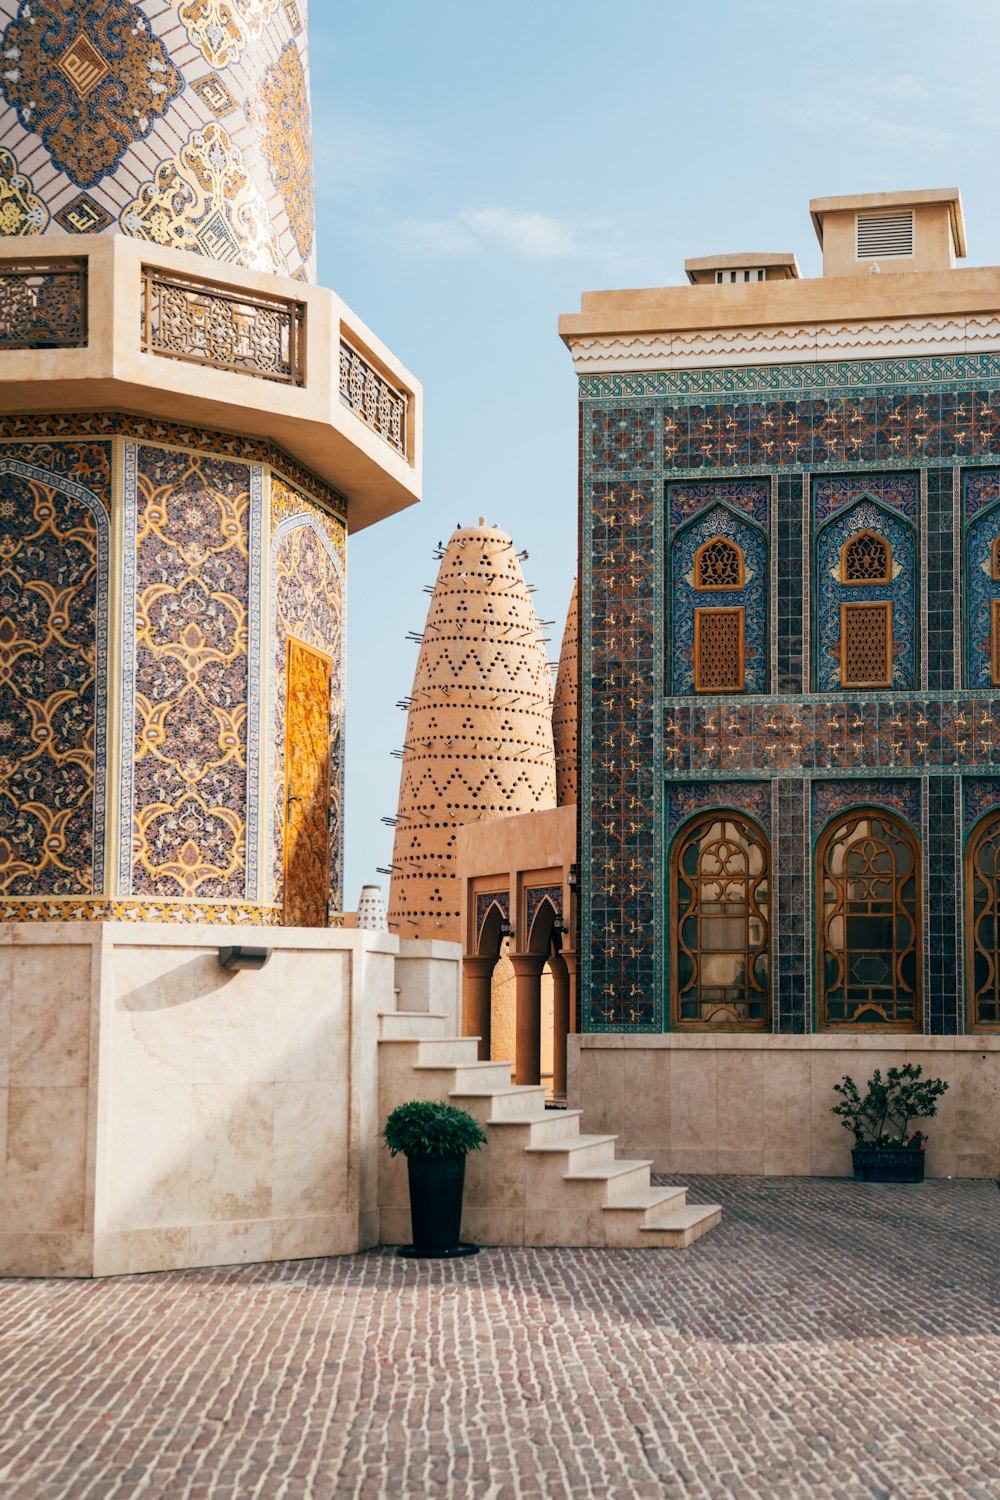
(476, 974)
(560, 1023)
(528, 982)
(568, 956)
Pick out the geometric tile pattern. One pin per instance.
(125, 98)
(981, 519)
(898, 431)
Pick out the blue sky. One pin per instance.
(479, 165)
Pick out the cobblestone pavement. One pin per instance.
(828, 1340)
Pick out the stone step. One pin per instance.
(410, 1026)
(515, 1101)
(621, 1179)
(447, 1051)
(579, 1153)
(465, 1077)
(678, 1230)
(550, 1127)
(650, 1206)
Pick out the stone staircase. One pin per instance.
(538, 1181)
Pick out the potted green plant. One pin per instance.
(435, 1138)
(884, 1149)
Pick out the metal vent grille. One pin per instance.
(882, 235)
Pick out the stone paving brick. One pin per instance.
(828, 1340)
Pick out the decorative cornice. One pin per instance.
(840, 378)
(616, 353)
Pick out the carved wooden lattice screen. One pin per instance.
(982, 926)
(995, 560)
(866, 558)
(995, 642)
(307, 787)
(865, 645)
(718, 650)
(718, 564)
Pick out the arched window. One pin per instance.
(995, 560)
(720, 969)
(868, 923)
(718, 564)
(982, 925)
(866, 558)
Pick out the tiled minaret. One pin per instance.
(479, 727)
(188, 430)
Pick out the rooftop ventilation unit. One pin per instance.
(880, 236)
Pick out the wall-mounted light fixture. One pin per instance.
(573, 878)
(559, 925)
(506, 930)
(239, 957)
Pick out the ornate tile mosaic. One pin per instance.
(485, 903)
(280, 115)
(832, 797)
(752, 597)
(750, 496)
(15, 425)
(307, 589)
(980, 795)
(185, 121)
(830, 593)
(21, 210)
(896, 430)
(192, 563)
(686, 798)
(54, 553)
(832, 492)
(981, 507)
(535, 897)
(88, 79)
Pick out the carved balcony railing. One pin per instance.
(254, 333)
(43, 304)
(370, 396)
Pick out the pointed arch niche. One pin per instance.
(864, 596)
(718, 593)
(982, 923)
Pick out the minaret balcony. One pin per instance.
(109, 322)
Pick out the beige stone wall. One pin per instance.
(162, 1112)
(762, 1104)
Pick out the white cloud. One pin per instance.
(530, 236)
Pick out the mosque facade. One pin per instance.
(790, 663)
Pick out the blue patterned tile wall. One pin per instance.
(981, 522)
(939, 637)
(943, 1005)
(898, 430)
(829, 593)
(789, 545)
(685, 598)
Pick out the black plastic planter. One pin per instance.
(884, 1164)
(436, 1185)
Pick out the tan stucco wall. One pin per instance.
(511, 854)
(761, 1105)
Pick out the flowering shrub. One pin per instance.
(882, 1117)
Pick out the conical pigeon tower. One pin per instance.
(479, 726)
(565, 708)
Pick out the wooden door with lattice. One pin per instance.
(306, 886)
